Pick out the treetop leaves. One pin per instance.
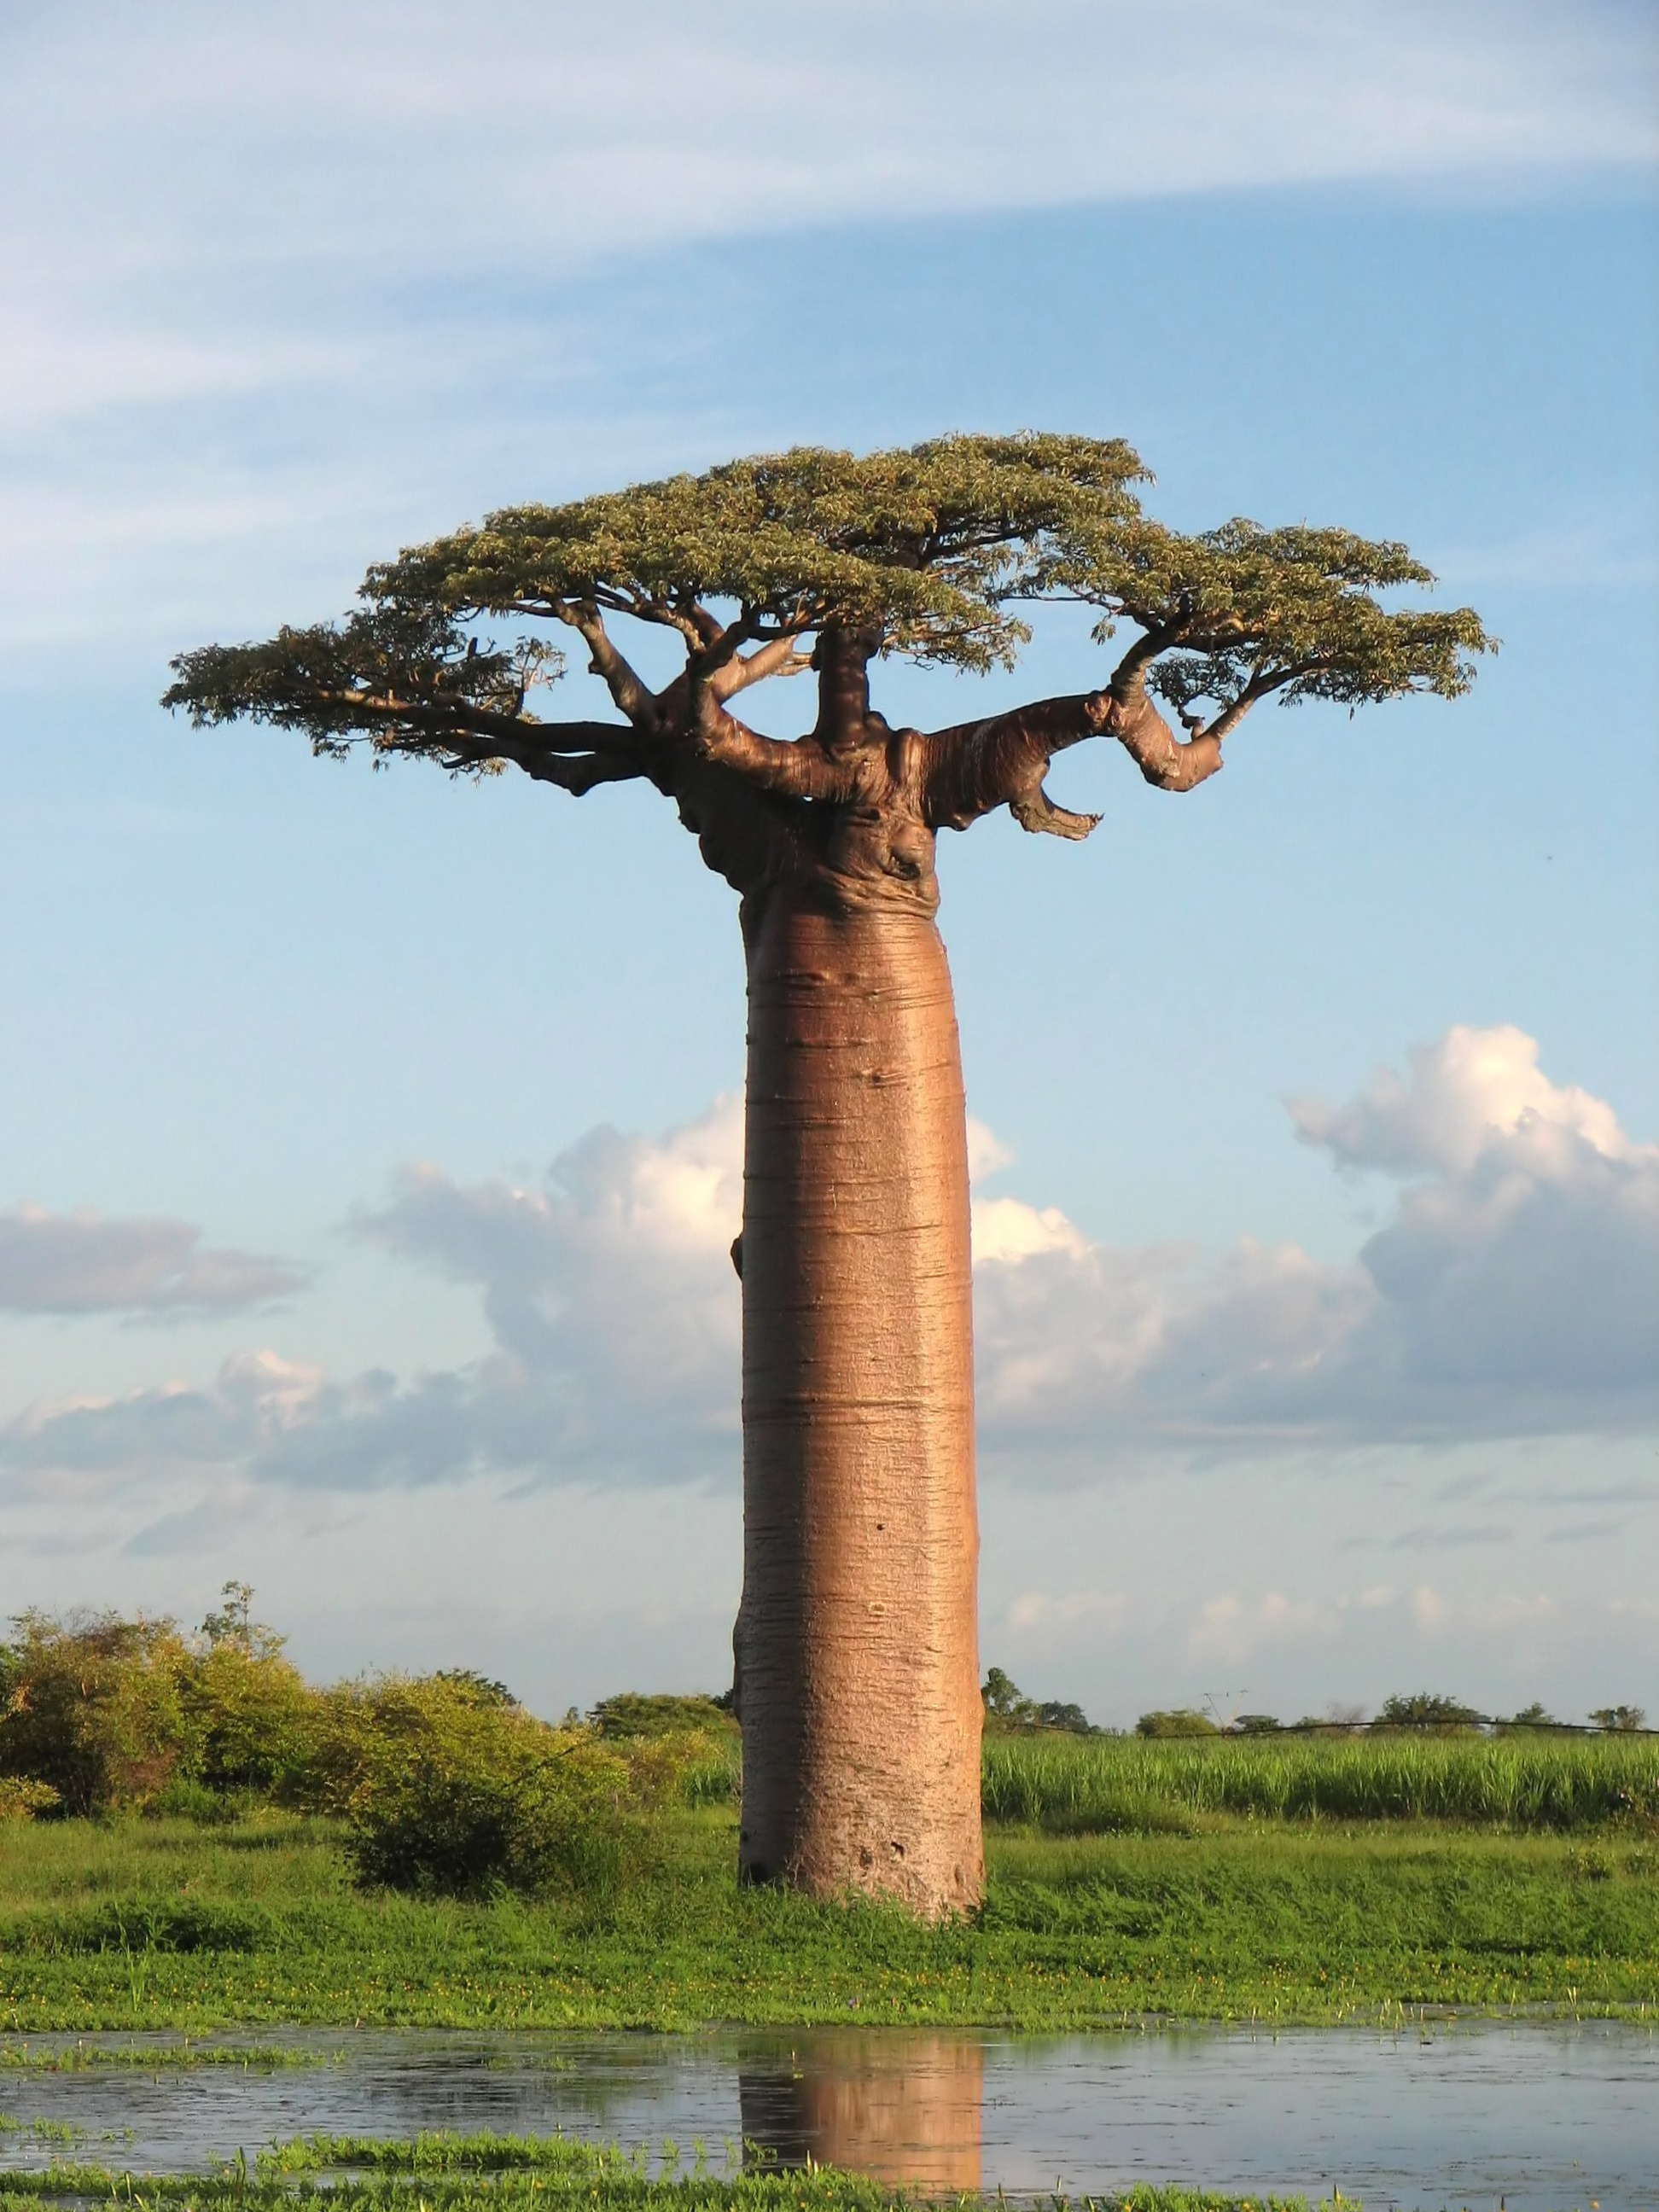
(936, 548)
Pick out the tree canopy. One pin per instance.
(767, 567)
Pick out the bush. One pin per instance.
(459, 1797)
(249, 1713)
(23, 1801)
(93, 1708)
(114, 1714)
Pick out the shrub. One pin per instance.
(23, 1801)
(459, 1797)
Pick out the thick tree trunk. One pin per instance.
(857, 1640)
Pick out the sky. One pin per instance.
(370, 1144)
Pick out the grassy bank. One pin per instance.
(506, 2173)
(151, 1923)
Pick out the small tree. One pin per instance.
(855, 1645)
(1427, 1708)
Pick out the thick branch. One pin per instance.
(1171, 762)
(789, 768)
(842, 660)
(1001, 762)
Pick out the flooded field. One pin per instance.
(1450, 2114)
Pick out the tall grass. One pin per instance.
(1082, 1785)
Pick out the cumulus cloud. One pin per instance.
(85, 1263)
(610, 1292)
(1515, 1291)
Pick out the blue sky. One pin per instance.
(1337, 1397)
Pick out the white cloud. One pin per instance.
(609, 1290)
(1516, 1291)
(1234, 1626)
(84, 1263)
(1459, 1095)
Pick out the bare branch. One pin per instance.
(1168, 762)
(778, 657)
(1035, 810)
(632, 696)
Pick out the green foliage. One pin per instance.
(1427, 1708)
(1624, 1719)
(1006, 1706)
(325, 679)
(21, 1800)
(1523, 1781)
(935, 548)
(1241, 611)
(1183, 1720)
(630, 1715)
(109, 1712)
(93, 1708)
(449, 1788)
(928, 543)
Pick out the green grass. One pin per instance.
(507, 2173)
(146, 1923)
(1098, 1784)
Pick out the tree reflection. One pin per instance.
(903, 2107)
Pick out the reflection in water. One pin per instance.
(1539, 2114)
(903, 2107)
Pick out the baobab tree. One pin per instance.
(856, 1639)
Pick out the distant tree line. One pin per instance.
(1008, 1710)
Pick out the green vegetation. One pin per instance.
(144, 1924)
(1170, 1780)
(399, 1851)
(514, 2174)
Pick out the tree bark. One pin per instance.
(857, 1639)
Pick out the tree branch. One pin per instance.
(1001, 762)
(789, 768)
(778, 657)
(632, 696)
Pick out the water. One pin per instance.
(1540, 2117)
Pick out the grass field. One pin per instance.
(150, 1923)
(1067, 1784)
